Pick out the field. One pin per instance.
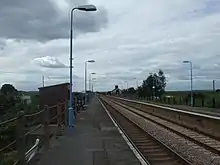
(207, 96)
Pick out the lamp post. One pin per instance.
(93, 83)
(153, 93)
(191, 83)
(90, 83)
(126, 84)
(88, 61)
(83, 8)
(136, 82)
(43, 81)
(90, 79)
(213, 85)
(154, 86)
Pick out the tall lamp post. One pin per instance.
(83, 8)
(90, 79)
(93, 73)
(191, 81)
(43, 81)
(93, 82)
(88, 61)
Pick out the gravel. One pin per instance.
(192, 152)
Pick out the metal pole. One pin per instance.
(153, 87)
(90, 81)
(85, 81)
(43, 81)
(71, 110)
(213, 85)
(126, 84)
(191, 83)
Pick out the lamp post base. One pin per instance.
(71, 121)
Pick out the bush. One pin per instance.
(196, 95)
(200, 95)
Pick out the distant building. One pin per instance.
(52, 95)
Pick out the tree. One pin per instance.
(154, 85)
(131, 90)
(8, 89)
(3, 102)
(9, 99)
(140, 92)
(161, 83)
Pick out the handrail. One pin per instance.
(34, 114)
(32, 130)
(32, 151)
(42, 119)
(8, 121)
(7, 146)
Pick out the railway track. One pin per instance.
(202, 123)
(200, 139)
(152, 150)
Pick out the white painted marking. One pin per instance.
(31, 152)
(139, 157)
(171, 109)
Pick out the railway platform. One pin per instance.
(95, 141)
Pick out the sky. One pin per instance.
(128, 39)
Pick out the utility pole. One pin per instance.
(43, 81)
(191, 80)
(213, 85)
(85, 78)
(154, 87)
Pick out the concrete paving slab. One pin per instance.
(95, 141)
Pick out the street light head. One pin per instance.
(91, 61)
(87, 8)
(186, 61)
(93, 73)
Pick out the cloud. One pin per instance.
(49, 62)
(43, 19)
(127, 39)
(2, 44)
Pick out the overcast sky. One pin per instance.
(128, 39)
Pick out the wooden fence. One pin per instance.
(21, 132)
